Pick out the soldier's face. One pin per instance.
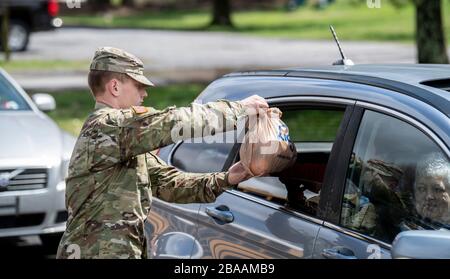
(132, 93)
(432, 198)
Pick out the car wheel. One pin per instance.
(50, 242)
(19, 35)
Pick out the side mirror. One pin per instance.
(44, 102)
(422, 244)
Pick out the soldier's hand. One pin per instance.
(238, 173)
(254, 103)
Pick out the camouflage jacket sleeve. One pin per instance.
(123, 134)
(172, 185)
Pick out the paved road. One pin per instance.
(163, 50)
(191, 55)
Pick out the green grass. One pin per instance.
(72, 107)
(177, 20)
(352, 22)
(312, 125)
(47, 65)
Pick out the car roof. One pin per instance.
(429, 83)
(406, 73)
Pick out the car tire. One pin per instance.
(50, 242)
(19, 35)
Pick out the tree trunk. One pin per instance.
(100, 5)
(5, 32)
(221, 13)
(430, 36)
(129, 3)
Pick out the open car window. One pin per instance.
(313, 130)
(312, 125)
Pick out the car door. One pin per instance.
(262, 218)
(171, 228)
(380, 181)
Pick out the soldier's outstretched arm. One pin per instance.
(172, 185)
(130, 132)
(119, 135)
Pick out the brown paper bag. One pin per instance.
(266, 147)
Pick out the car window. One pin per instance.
(313, 130)
(203, 155)
(312, 125)
(10, 98)
(397, 180)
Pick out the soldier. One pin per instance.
(112, 174)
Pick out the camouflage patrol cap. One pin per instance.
(117, 60)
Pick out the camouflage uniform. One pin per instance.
(384, 208)
(113, 175)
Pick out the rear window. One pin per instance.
(443, 84)
(10, 98)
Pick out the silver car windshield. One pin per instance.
(10, 98)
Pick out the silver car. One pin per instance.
(34, 156)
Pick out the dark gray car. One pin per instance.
(364, 136)
(27, 16)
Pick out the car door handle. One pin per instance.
(341, 253)
(221, 213)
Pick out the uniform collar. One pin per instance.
(100, 105)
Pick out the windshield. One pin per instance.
(10, 98)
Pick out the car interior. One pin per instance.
(298, 187)
(311, 129)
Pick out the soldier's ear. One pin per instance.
(113, 87)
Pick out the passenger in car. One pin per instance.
(385, 207)
(432, 188)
